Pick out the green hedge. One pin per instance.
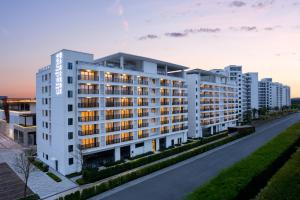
(285, 184)
(115, 182)
(93, 175)
(30, 197)
(244, 179)
(54, 177)
(43, 167)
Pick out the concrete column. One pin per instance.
(117, 154)
(122, 62)
(157, 144)
(132, 148)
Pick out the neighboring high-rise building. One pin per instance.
(235, 73)
(250, 91)
(107, 109)
(273, 94)
(213, 102)
(18, 120)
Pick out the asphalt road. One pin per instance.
(177, 181)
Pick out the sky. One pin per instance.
(260, 35)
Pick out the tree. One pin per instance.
(254, 113)
(24, 166)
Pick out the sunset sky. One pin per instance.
(261, 35)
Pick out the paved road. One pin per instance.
(177, 181)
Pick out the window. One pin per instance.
(70, 94)
(70, 121)
(70, 79)
(46, 156)
(139, 145)
(70, 135)
(71, 161)
(70, 65)
(70, 148)
(70, 107)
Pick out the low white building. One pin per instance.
(107, 109)
(213, 102)
(18, 120)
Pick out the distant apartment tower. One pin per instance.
(265, 96)
(213, 102)
(286, 96)
(235, 73)
(107, 109)
(250, 91)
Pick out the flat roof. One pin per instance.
(204, 72)
(136, 57)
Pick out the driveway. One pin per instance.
(175, 182)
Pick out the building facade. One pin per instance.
(250, 93)
(213, 102)
(91, 112)
(18, 120)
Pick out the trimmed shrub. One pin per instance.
(244, 179)
(54, 177)
(88, 192)
(43, 167)
(73, 175)
(30, 197)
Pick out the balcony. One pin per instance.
(143, 114)
(88, 119)
(164, 122)
(113, 104)
(184, 111)
(88, 105)
(164, 93)
(112, 92)
(126, 92)
(110, 117)
(164, 103)
(113, 141)
(88, 146)
(164, 84)
(142, 125)
(176, 94)
(88, 91)
(164, 131)
(126, 104)
(88, 77)
(143, 103)
(112, 79)
(143, 135)
(127, 81)
(113, 129)
(142, 82)
(127, 127)
(88, 132)
(130, 115)
(143, 92)
(175, 111)
(175, 103)
(126, 139)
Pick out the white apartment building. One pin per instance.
(18, 120)
(111, 108)
(235, 73)
(213, 102)
(250, 91)
(273, 94)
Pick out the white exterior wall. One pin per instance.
(57, 147)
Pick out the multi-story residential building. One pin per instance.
(250, 92)
(95, 111)
(265, 93)
(273, 94)
(18, 120)
(235, 73)
(213, 102)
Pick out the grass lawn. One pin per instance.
(285, 184)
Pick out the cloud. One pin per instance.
(176, 34)
(237, 4)
(296, 4)
(148, 36)
(271, 28)
(244, 28)
(118, 9)
(263, 4)
(203, 30)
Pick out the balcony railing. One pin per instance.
(113, 104)
(143, 92)
(163, 103)
(113, 141)
(88, 119)
(126, 104)
(175, 103)
(88, 146)
(183, 111)
(175, 111)
(127, 92)
(164, 84)
(127, 81)
(164, 122)
(88, 132)
(164, 131)
(126, 139)
(142, 82)
(164, 93)
(127, 115)
(143, 135)
(143, 104)
(112, 79)
(88, 91)
(113, 129)
(88, 105)
(127, 127)
(113, 92)
(115, 116)
(143, 114)
(88, 77)
(142, 125)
